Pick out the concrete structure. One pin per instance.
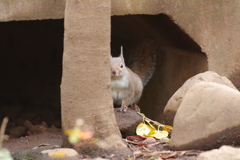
(202, 36)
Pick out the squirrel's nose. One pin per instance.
(113, 72)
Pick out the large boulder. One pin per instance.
(175, 101)
(207, 118)
(223, 153)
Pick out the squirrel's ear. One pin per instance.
(121, 55)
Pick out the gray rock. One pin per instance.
(32, 153)
(42, 153)
(98, 158)
(207, 118)
(68, 152)
(128, 121)
(223, 153)
(18, 131)
(175, 101)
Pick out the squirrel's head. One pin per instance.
(118, 67)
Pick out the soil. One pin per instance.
(38, 128)
(140, 152)
(49, 138)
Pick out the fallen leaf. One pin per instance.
(159, 134)
(172, 155)
(144, 129)
(167, 128)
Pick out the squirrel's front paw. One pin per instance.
(136, 108)
(122, 109)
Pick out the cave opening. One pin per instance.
(31, 64)
(30, 71)
(155, 46)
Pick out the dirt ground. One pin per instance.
(38, 127)
(35, 140)
(140, 152)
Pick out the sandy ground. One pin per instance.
(15, 145)
(55, 138)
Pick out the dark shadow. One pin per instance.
(30, 71)
(235, 79)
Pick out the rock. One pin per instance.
(58, 152)
(128, 121)
(35, 128)
(207, 118)
(149, 140)
(224, 153)
(32, 153)
(18, 131)
(175, 101)
(42, 153)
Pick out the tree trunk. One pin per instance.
(85, 89)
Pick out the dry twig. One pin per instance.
(154, 122)
(2, 131)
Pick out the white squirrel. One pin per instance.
(126, 85)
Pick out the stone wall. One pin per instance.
(212, 24)
(17, 10)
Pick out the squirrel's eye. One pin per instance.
(121, 65)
